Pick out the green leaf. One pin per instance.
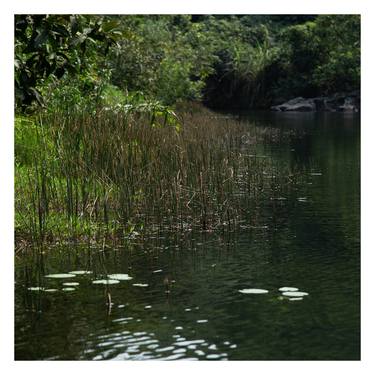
(109, 25)
(41, 39)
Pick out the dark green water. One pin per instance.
(312, 244)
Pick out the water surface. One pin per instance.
(307, 238)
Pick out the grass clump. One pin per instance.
(132, 172)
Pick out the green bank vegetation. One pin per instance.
(115, 173)
(226, 61)
(110, 138)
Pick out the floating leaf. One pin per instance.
(315, 174)
(288, 289)
(202, 321)
(68, 289)
(36, 288)
(157, 271)
(141, 285)
(81, 272)
(148, 307)
(120, 276)
(295, 294)
(71, 284)
(122, 319)
(60, 276)
(106, 282)
(253, 291)
(296, 299)
(51, 290)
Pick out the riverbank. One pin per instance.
(111, 175)
(339, 102)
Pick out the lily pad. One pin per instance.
(295, 294)
(120, 276)
(157, 271)
(68, 289)
(288, 289)
(296, 299)
(141, 285)
(36, 288)
(106, 282)
(81, 272)
(51, 290)
(60, 276)
(253, 291)
(71, 284)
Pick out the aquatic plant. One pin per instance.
(106, 282)
(253, 291)
(295, 294)
(129, 173)
(120, 276)
(60, 276)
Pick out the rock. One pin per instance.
(348, 106)
(339, 102)
(296, 105)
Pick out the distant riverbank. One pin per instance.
(339, 102)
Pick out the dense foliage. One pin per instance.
(226, 61)
(108, 138)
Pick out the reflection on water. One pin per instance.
(308, 239)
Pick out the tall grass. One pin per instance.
(126, 173)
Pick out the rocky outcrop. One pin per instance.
(296, 105)
(340, 102)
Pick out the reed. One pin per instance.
(115, 173)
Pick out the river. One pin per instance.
(186, 302)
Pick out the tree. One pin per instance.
(339, 37)
(51, 45)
